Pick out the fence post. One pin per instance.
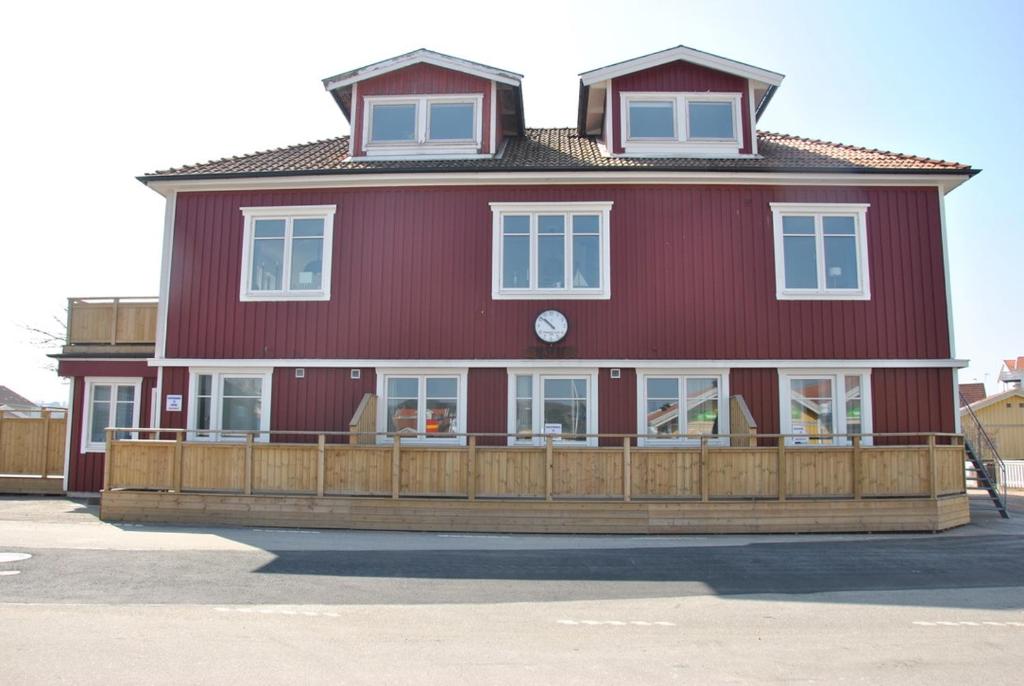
(961, 441)
(113, 324)
(782, 468)
(705, 482)
(627, 467)
(471, 469)
(1, 438)
(396, 466)
(179, 457)
(933, 485)
(46, 443)
(549, 470)
(858, 488)
(248, 464)
(107, 459)
(321, 447)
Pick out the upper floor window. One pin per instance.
(821, 251)
(425, 123)
(666, 122)
(286, 253)
(551, 251)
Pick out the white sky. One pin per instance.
(98, 93)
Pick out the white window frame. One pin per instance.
(566, 209)
(266, 376)
(838, 376)
(538, 374)
(421, 142)
(681, 142)
(859, 211)
(88, 446)
(383, 374)
(722, 375)
(289, 213)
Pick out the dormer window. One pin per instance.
(423, 124)
(681, 123)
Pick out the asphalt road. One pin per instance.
(102, 604)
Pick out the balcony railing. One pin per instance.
(111, 321)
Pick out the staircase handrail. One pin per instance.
(997, 459)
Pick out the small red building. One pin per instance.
(477, 275)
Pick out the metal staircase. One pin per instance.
(980, 449)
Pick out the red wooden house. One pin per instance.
(478, 276)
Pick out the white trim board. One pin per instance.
(345, 363)
(944, 182)
(681, 52)
(422, 56)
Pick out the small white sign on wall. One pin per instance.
(173, 403)
(552, 428)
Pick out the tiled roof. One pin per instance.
(12, 399)
(562, 149)
(971, 393)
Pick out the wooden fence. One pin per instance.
(32, 451)
(928, 466)
(111, 321)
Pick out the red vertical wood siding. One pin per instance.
(487, 404)
(325, 400)
(760, 390)
(692, 277)
(912, 400)
(680, 77)
(616, 404)
(422, 79)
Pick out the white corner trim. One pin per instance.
(288, 213)
(70, 414)
(817, 211)
(167, 251)
(494, 118)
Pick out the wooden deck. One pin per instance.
(550, 487)
(32, 452)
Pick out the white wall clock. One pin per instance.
(551, 326)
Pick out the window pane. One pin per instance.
(451, 121)
(565, 388)
(571, 415)
(652, 120)
(241, 414)
(551, 261)
(663, 416)
(267, 264)
(586, 262)
(839, 226)
(99, 414)
(308, 227)
(663, 388)
(711, 120)
(269, 228)
(442, 388)
(854, 424)
(515, 224)
(307, 263)
(524, 386)
(243, 387)
(586, 223)
(515, 262)
(798, 225)
(841, 262)
(203, 406)
(811, 406)
(551, 223)
(524, 416)
(403, 388)
(125, 413)
(394, 122)
(801, 261)
(125, 393)
(441, 416)
(205, 384)
(402, 414)
(702, 406)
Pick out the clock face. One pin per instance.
(551, 326)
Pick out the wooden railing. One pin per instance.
(896, 466)
(742, 426)
(364, 420)
(111, 321)
(32, 446)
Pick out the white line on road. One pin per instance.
(9, 572)
(14, 557)
(966, 623)
(276, 611)
(611, 622)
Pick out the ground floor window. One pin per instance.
(677, 407)
(425, 406)
(226, 404)
(815, 406)
(563, 404)
(109, 402)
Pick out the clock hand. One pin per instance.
(544, 319)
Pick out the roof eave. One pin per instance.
(681, 52)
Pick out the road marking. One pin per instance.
(967, 623)
(9, 572)
(611, 622)
(14, 557)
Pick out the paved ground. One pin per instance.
(97, 603)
